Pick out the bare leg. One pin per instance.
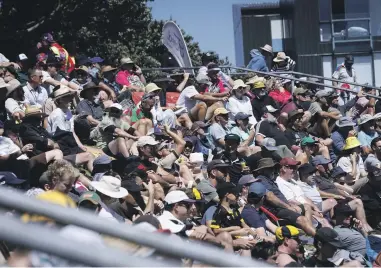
(55, 154)
(119, 146)
(85, 158)
(226, 240)
(186, 174)
(359, 184)
(358, 206)
(328, 205)
(185, 120)
(84, 180)
(306, 225)
(210, 110)
(143, 125)
(198, 112)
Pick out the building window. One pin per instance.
(325, 32)
(325, 10)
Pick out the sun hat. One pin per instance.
(364, 118)
(269, 144)
(288, 161)
(13, 84)
(62, 92)
(330, 236)
(176, 197)
(320, 160)
(110, 186)
(107, 68)
(3, 84)
(239, 83)
(83, 68)
(299, 90)
(34, 111)
(267, 48)
(308, 141)
(96, 59)
(219, 111)
(255, 79)
(91, 196)
(266, 163)
(22, 57)
(146, 140)
(259, 84)
(287, 231)
(351, 142)
(126, 60)
(281, 56)
(247, 179)
(196, 158)
(152, 87)
(294, 113)
(215, 164)
(345, 121)
(87, 87)
(325, 93)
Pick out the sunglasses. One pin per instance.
(291, 167)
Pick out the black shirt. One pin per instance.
(86, 107)
(272, 130)
(294, 136)
(235, 168)
(224, 219)
(326, 186)
(314, 262)
(259, 104)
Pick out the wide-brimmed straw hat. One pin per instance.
(239, 83)
(152, 87)
(34, 111)
(126, 60)
(351, 142)
(365, 118)
(107, 68)
(255, 79)
(62, 92)
(267, 48)
(110, 186)
(87, 87)
(266, 163)
(281, 56)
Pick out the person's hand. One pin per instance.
(297, 209)
(27, 148)
(17, 116)
(159, 204)
(352, 133)
(225, 99)
(138, 70)
(353, 157)
(166, 128)
(149, 187)
(360, 93)
(251, 231)
(113, 96)
(16, 66)
(199, 232)
(243, 243)
(186, 76)
(83, 148)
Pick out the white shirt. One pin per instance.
(346, 164)
(107, 215)
(36, 97)
(311, 192)
(58, 119)
(235, 106)
(186, 98)
(7, 146)
(291, 190)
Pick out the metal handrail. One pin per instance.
(40, 238)
(161, 242)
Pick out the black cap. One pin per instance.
(9, 178)
(225, 188)
(218, 163)
(343, 209)
(232, 137)
(306, 169)
(338, 172)
(348, 58)
(330, 236)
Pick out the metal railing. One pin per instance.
(161, 242)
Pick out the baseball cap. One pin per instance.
(330, 236)
(299, 90)
(287, 231)
(22, 56)
(269, 144)
(176, 197)
(307, 141)
(257, 190)
(93, 197)
(320, 160)
(343, 209)
(337, 171)
(246, 179)
(96, 60)
(146, 140)
(288, 161)
(117, 106)
(9, 178)
(225, 188)
(219, 111)
(306, 169)
(218, 163)
(241, 116)
(232, 137)
(324, 93)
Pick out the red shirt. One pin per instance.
(280, 97)
(122, 78)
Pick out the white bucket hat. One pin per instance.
(110, 186)
(239, 83)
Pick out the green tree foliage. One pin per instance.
(107, 28)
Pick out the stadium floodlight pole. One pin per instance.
(48, 240)
(274, 74)
(165, 244)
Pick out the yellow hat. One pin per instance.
(151, 87)
(259, 84)
(219, 111)
(351, 142)
(53, 197)
(287, 231)
(255, 79)
(239, 83)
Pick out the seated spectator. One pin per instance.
(216, 87)
(366, 132)
(278, 92)
(295, 129)
(141, 116)
(239, 103)
(130, 75)
(35, 94)
(242, 128)
(344, 130)
(261, 100)
(15, 103)
(311, 148)
(373, 164)
(219, 128)
(289, 246)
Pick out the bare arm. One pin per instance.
(183, 83)
(344, 188)
(180, 143)
(92, 121)
(108, 90)
(208, 98)
(166, 176)
(121, 133)
(249, 139)
(275, 201)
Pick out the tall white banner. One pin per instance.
(173, 39)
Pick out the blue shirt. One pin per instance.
(338, 142)
(366, 139)
(253, 217)
(258, 62)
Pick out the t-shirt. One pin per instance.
(86, 107)
(224, 219)
(310, 191)
(7, 146)
(366, 139)
(353, 240)
(12, 106)
(186, 98)
(243, 105)
(59, 119)
(373, 165)
(253, 217)
(272, 130)
(208, 215)
(35, 96)
(138, 113)
(346, 164)
(291, 190)
(207, 189)
(217, 132)
(315, 108)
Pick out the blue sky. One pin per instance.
(210, 22)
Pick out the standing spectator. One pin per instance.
(283, 63)
(130, 75)
(345, 73)
(211, 58)
(258, 61)
(35, 94)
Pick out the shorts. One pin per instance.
(288, 215)
(107, 151)
(70, 158)
(38, 159)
